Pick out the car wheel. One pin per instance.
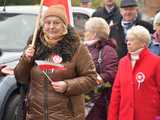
(11, 108)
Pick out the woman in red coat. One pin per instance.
(136, 90)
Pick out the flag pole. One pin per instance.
(37, 24)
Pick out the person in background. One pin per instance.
(136, 89)
(129, 12)
(155, 43)
(1, 73)
(86, 3)
(56, 94)
(110, 12)
(4, 70)
(106, 60)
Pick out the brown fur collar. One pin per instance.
(65, 48)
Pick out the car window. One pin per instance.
(79, 21)
(15, 30)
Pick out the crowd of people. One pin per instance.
(135, 92)
(117, 64)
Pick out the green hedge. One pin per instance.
(95, 3)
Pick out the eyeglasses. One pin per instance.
(55, 23)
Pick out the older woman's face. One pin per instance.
(53, 27)
(133, 44)
(88, 35)
(129, 13)
(157, 28)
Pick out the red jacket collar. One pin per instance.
(142, 53)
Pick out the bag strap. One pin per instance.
(100, 59)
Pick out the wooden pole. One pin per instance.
(37, 24)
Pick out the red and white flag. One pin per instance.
(54, 65)
(45, 65)
(66, 3)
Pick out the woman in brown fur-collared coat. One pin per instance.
(63, 98)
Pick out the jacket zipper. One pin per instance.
(45, 102)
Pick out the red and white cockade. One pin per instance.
(57, 59)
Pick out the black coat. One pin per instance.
(117, 33)
(114, 15)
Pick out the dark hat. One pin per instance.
(128, 3)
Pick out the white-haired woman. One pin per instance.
(136, 89)
(106, 60)
(155, 44)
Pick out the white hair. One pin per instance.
(99, 26)
(140, 33)
(156, 21)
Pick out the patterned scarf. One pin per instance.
(127, 25)
(156, 37)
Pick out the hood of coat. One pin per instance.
(100, 44)
(65, 48)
